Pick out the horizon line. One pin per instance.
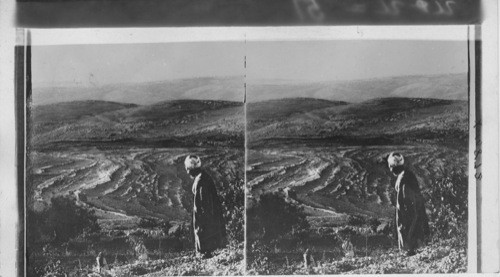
(250, 101)
(302, 81)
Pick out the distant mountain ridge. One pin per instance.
(446, 86)
(209, 88)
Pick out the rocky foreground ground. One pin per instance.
(227, 262)
(447, 256)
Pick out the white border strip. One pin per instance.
(490, 192)
(472, 204)
(163, 35)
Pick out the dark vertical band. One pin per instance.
(20, 119)
(22, 99)
(478, 145)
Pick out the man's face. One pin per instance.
(193, 172)
(396, 169)
(391, 168)
(189, 173)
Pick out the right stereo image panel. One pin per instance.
(357, 156)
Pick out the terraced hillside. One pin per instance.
(125, 184)
(334, 182)
(125, 160)
(329, 152)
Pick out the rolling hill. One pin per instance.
(281, 108)
(47, 117)
(374, 121)
(72, 111)
(189, 122)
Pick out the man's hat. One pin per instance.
(395, 159)
(192, 162)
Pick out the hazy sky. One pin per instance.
(347, 60)
(118, 63)
(309, 61)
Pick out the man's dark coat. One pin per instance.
(411, 218)
(208, 223)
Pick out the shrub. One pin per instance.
(68, 220)
(374, 223)
(272, 217)
(149, 223)
(346, 232)
(62, 221)
(233, 208)
(449, 206)
(355, 220)
(52, 269)
(35, 227)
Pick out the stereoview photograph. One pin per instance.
(248, 158)
(357, 157)
(135, 160)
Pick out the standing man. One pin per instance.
(411, 219)
(208, 223)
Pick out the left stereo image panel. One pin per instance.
(134, 159)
